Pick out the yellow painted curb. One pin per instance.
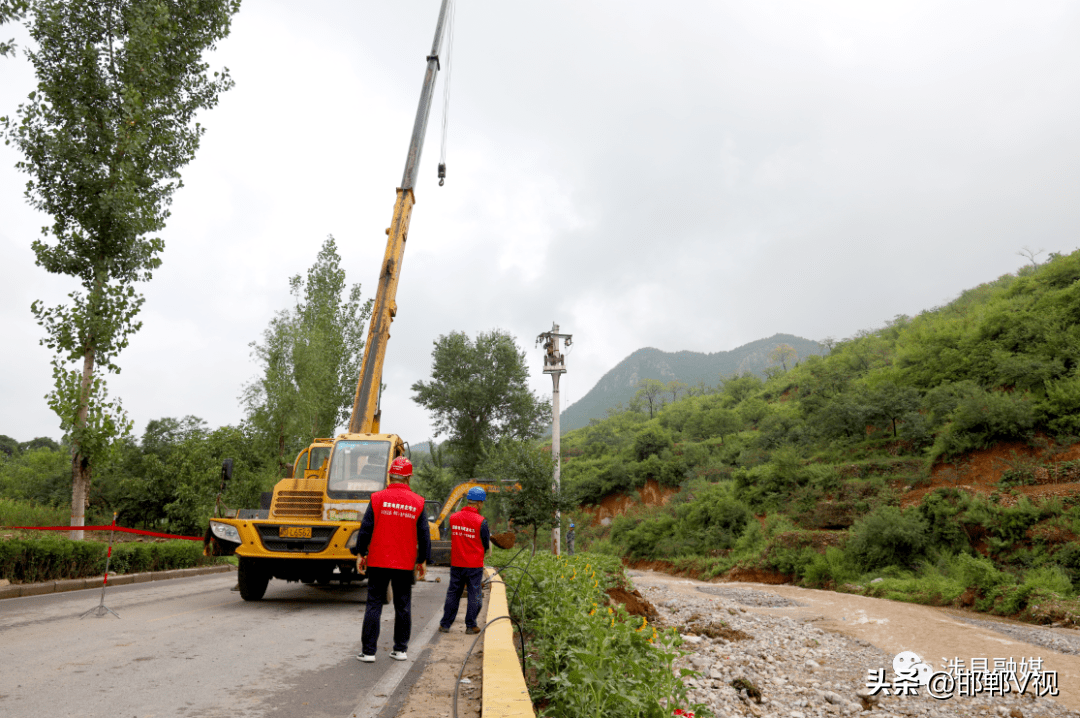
(504, 691)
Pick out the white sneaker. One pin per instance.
(397, 656)
(366, 659)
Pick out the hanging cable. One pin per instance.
(446, 91)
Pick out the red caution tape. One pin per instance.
(103, 528)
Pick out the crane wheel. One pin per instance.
(253, 579)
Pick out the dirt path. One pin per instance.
(891, 626)
(432, 695)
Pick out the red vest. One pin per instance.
(393, 540)
(466, 548)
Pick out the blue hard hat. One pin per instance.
(476, 494)
(571, 524)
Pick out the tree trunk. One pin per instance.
(282, 466)
(80, 466)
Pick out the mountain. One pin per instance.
(620, 384)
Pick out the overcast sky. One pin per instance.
(691, 175)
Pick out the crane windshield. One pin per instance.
(358, 468)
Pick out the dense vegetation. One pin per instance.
(584, 655)
(804, 472)
(167, 481)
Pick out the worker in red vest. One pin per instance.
(469, 541)
(392, 542)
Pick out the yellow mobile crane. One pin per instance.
(313, 516)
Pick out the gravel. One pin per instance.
(1036, 635)
(750, 597)
(800, 670)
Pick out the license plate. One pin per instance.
(294, 532)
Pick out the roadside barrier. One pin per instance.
(104, 528)
(505, 693)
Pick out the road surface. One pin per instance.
(192, 648)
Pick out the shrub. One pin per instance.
(888, 537)
(984, 416)
(52, 559)
(713, 520)
(1063, 405)
(646, 538)
(939, 510)
(751, 541)
(652, 440)
(770, 486)
(978, 572)
(1049, 578)
(832, 568)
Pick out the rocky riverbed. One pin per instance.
(755, 664)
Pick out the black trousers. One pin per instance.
(378, 580)
(462, 579)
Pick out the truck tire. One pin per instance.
(253, 578)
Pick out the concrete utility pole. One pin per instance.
(555, 364)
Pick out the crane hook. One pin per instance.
(442, 173)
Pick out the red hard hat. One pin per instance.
(401, 467)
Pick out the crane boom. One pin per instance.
(311, 520)
(365, 411)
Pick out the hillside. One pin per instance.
(620, 384)
(935, 459)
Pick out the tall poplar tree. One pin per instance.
(105, 134)
(310, 356)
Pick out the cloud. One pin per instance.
(686, 177)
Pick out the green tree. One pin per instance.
(41, 475)
(890, 402)
(739, 386)
(718, 422)
(650, 391)
(536, 503)
(478, 395)
(651, 440)
(311, 357)
(674, 387)
(699, 389)
(39, 442)
(9, 446)
(432, 477)
(174, 482)
(105, 134)
(782, 354)
(10, 11)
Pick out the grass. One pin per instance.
(24, 513)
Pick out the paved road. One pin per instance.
(191, 648)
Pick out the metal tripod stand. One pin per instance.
(101, 609)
